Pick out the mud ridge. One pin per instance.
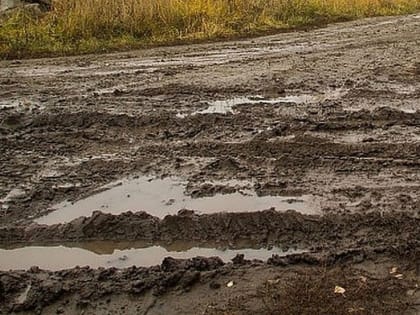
(264, 227)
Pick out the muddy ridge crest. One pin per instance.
(265, 227)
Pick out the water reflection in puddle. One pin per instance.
(226, 106)
(63, 257)
(24, 295)
(160, 197)
(405, 109)
(20, 105)
(14, 194)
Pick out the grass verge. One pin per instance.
(92, 26)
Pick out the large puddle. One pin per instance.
(161, 197)
(65, 257)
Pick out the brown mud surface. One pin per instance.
(332, 113)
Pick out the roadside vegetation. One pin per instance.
(91, 26)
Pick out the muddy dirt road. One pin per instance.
(306, 144)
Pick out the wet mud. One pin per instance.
(63, 257)
(305, 141)
(161, 197)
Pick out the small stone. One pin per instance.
(411, 292)
(363, 279)
(339, 290)
(273, 281)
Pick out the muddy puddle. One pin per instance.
(227, 106)
(20, 105)
(407, 108)
(161, 197)
(93, 255)
(10, 197)
(23, 296)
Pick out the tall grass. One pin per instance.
(81, 26)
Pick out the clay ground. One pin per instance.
(70, 125)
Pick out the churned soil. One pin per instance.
(333, 113)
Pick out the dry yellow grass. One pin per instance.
(80, 26)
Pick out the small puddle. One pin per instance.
(63, 257)
(404, 109)
(23, 296)
(20, 105)
(227, 106)
(161, 197)
(11, 196)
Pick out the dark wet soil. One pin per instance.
(69, 126)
